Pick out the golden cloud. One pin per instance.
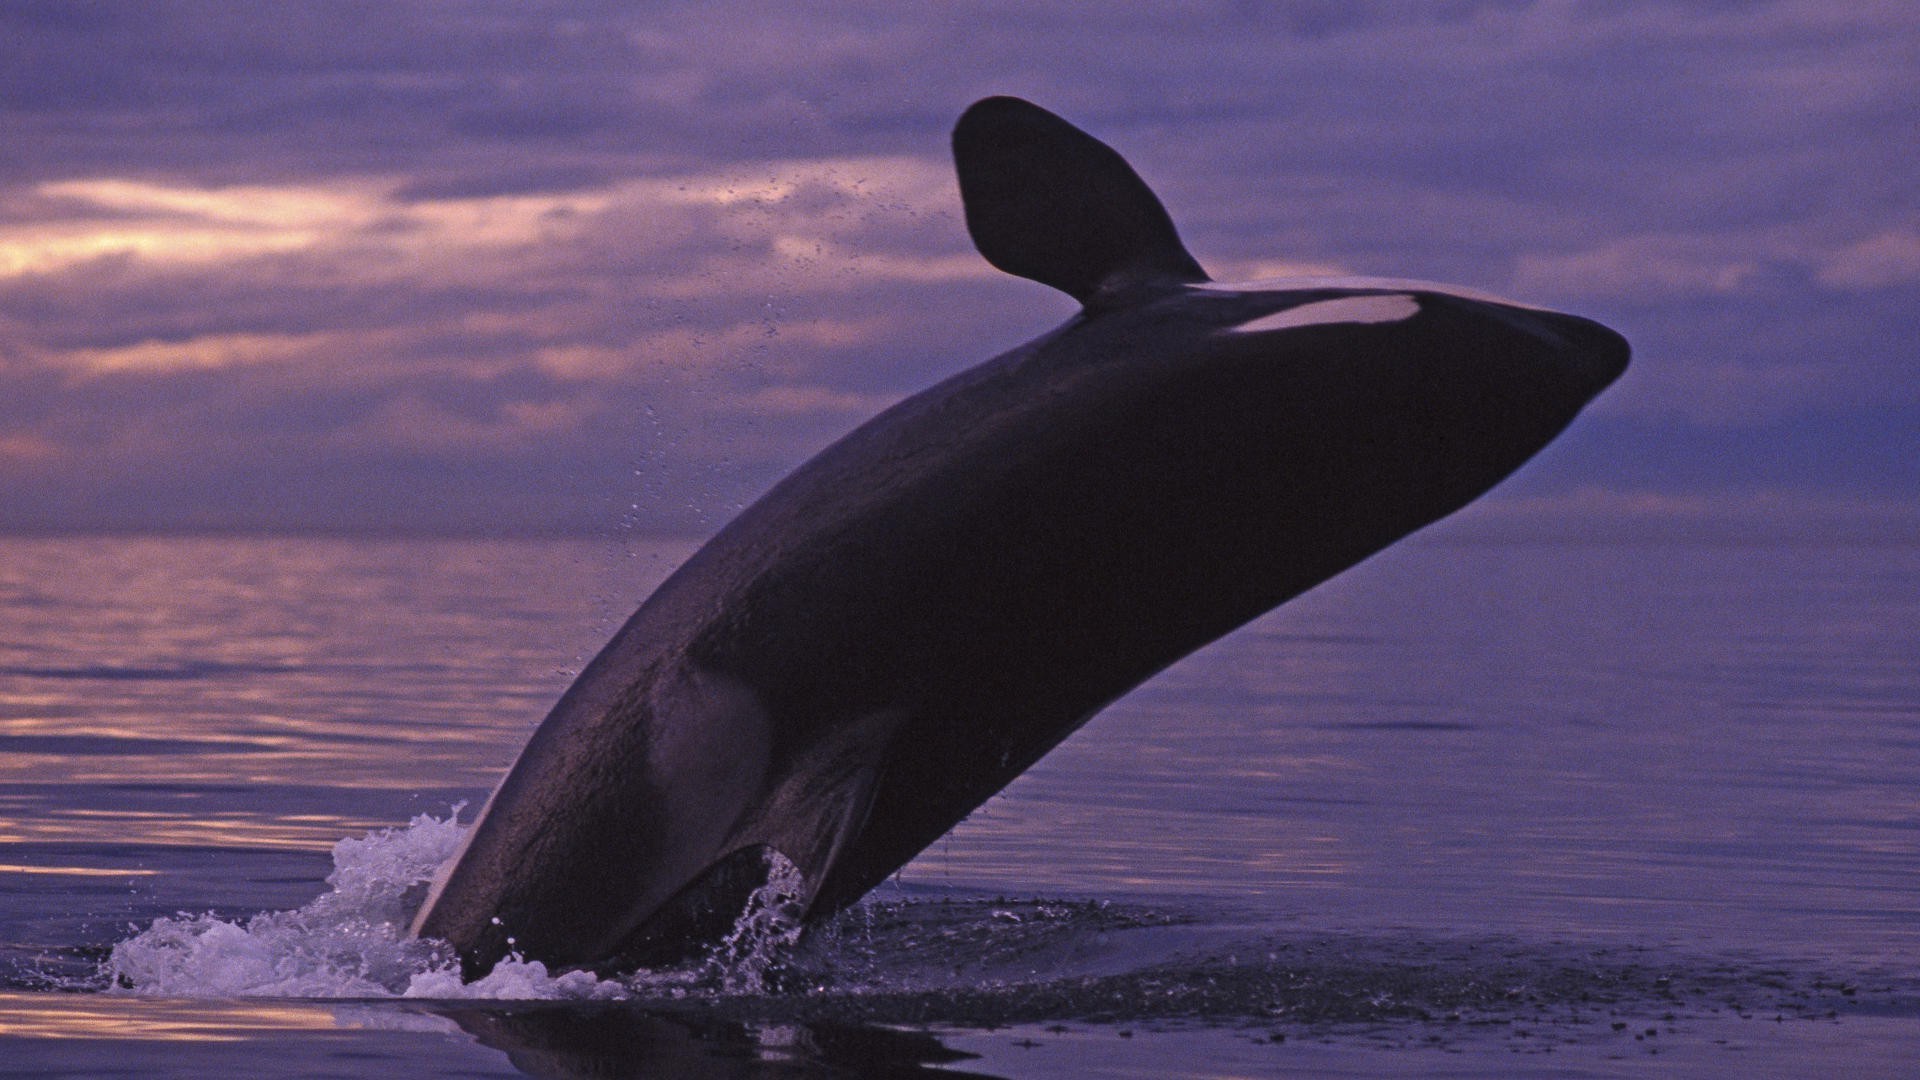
(168, 226)
(206, 352)
(26, 448)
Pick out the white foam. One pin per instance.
(353, 940)
(515, 979)
(350, 941)
(1392, 307)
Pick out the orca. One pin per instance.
(912, 618)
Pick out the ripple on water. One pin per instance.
(976, 962)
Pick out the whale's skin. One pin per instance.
(911, 619)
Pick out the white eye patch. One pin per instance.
(1347, 309)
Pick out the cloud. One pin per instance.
(1639, 267)
(389, 328)
(1733, 394)
(26, 449)
(1884, 260)
(414, 424)
(787, 400)
(369, 248)
(1722, 264)
(523, 270)
(208, 351)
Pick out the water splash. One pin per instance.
(352, 941)
(768, 928)
(349, 942)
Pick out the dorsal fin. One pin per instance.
(1049, 202)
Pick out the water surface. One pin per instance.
(1473, 806)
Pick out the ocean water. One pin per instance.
(1583, 809)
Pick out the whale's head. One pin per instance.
(1419, 394)
(1477, 362)
(1479, 383)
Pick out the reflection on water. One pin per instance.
(1706, 750)
(615, 1040)
(1608, 740)
(72, 871)
(240, 692)
(25, 1016)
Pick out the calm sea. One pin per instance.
(1522, 809)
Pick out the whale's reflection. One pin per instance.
(612, 1039)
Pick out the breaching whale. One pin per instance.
(912, 618)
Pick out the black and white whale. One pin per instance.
(913, 617)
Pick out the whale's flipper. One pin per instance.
(1047, 201)
(804, 827)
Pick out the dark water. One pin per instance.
(1530, 809)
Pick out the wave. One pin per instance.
(970, 961)
(181, 671)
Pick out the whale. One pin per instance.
(912, 618)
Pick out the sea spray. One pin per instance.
(352, 940)
(766, 931)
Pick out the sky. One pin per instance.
(509, 266)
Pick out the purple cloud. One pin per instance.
(517, 266)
